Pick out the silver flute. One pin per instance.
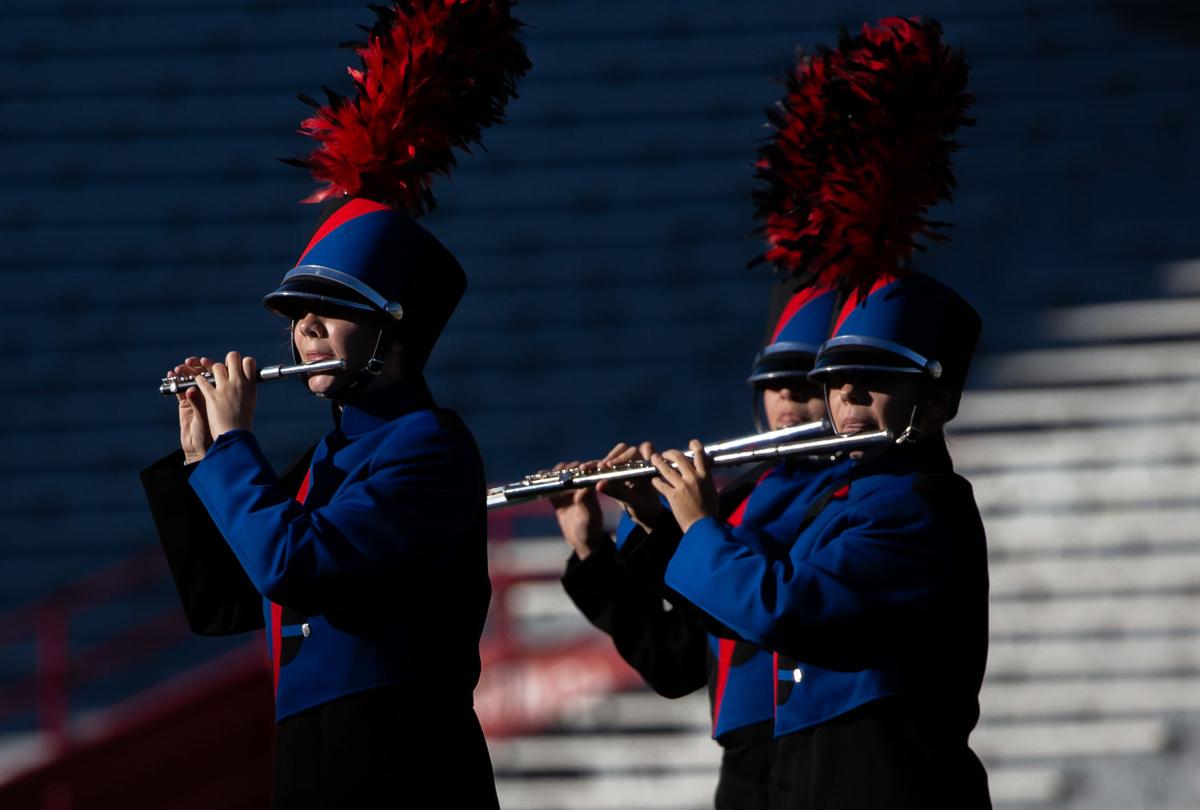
(745, 450)
(177, 385)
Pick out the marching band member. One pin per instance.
(618, 586)
(878, 610)
(874, 594)
(342, 557)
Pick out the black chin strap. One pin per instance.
(912, 433)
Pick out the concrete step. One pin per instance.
(1180, 277)
(1119, 573)
(1090, 697)
(1069, 739)
(1093, 657)
(1011, 580)
(684, 791)
(1084, 489)
(1052, 406)
(1160, 438)
(600, 752)
(1026, 785)
(695, 791)
(1077, 616)
(640, 711)
(1153, 360)
(1093, 531)
(692, 750)
(1100, 531)
(1124, 320)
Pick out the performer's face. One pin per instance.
(792, 401)
(325, 336)
(862, 402)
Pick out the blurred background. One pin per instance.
(605, 234)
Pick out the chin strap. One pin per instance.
(912, 433)
(370, 370)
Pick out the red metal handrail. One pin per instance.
(58, 669)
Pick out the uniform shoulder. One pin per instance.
(916, 496)
(428, 429)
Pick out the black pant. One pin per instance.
(410, 748)
(745, 767)
(883, 756)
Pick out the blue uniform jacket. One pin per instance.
(881, 588)
(740, 674)
(382, 571)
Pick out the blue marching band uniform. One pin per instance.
(873, 594)
(366, 561)
(619, 588)
(342, 556)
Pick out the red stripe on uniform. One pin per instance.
(276, 642)
(724, 645)
(277, 610)
(775, 681)
(724, 662)
(351, 210)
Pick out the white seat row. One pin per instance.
(1123, 320)
(1148, 362)
(694, 791)
(1093, 657)
(1082, 404)
(1085, 488)
(1089, 696)
(1102, 445)
(1097, 530)
(1013, 580)
(1118, 573)
(693, 750)
(1141, 613)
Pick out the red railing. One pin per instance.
(507, 704)
(56, 670)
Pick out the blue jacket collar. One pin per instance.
(371, 410)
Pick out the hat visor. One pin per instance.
(820, 375)
(295, 298)
(792, 359)
(798, 365)
(859, 359)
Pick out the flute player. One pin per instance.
(366, 562)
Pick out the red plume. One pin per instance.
(434, 74)
(861, 151)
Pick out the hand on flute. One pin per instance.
(636, 496)
(578, 514)
(230, 398)
(194, 435)
(687, 486)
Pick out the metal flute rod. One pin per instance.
(553, 483)
(177, 385)
(791, 433)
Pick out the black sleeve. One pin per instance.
(646, 555)
(218, 598)
(666, 645)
